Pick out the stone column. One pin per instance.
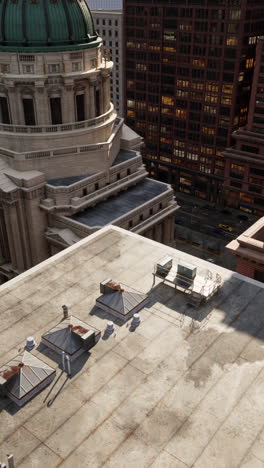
(37, 224)
(106, 91)
(92, 97)
(166, 231)
(87, 102)
(68, 105)
(42, 107)
(14, 100)
(158, 232)
(13, 234)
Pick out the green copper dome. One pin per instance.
(46, 25)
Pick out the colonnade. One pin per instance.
(41, 92)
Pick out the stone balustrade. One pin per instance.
(61, 151)
(58, 128)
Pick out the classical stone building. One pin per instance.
(248, 249)
(68, 165)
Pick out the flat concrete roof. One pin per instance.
(114, 207)
(185, 389)
(65, 181)
(124, 155)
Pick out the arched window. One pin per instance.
(29, 111)
(4, 108)
(80, 106)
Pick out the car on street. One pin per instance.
(225, 227)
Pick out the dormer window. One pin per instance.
(28, 69)
(54, 68)
(76, 66)
(5, 68)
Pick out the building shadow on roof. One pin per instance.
(177, 301)
(107, 316)
(76, 365)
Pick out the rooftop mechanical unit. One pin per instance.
(23, 377)
(120, 300)
(72, 336)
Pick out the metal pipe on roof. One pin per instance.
(68, 364)
(10, 459)
(65, 311)
(63, 360)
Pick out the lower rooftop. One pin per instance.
(185, 389)
(114, 207)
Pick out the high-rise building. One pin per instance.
(188, 74)
(108, 19)
(68, 165)
(244, 171)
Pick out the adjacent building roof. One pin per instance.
(184, 389)
(107, 211)
(44, 25)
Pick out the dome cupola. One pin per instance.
(46, 26)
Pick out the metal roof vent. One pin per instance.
(23, 377)
(65, 311)
(109, 328)
(120, 300)
(30, 343)
(72, 336)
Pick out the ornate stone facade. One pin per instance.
(64, 153)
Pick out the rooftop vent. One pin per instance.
(120, 300)
(23, 377)
(71, 336)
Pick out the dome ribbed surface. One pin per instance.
(40, 25)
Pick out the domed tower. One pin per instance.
(63, 150)
(55, 82)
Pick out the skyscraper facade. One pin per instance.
(244, 171)
(108, 19)
(188, 75)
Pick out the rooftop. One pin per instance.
(124, 155)
(114, 207)
(176, 392)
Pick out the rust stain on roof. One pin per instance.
(79, 330)
(8, 373)
(115, 286)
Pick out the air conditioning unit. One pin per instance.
(186, 270)
(164, 266)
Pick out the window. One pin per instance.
(80, 108)
(5, 68)
(55, 109)
(5, 117)
(29, 113)
(97, 102)
(54, 68)
(76, 66)
(28, 68)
